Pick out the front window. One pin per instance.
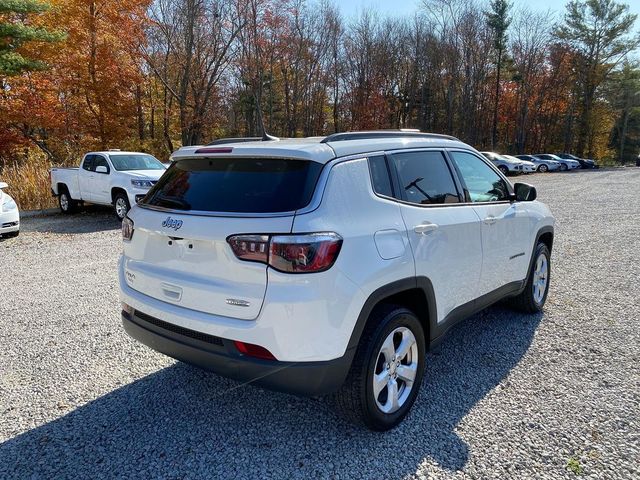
(482, 183)
(135, 161)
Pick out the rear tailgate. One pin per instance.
(179, 251)
(193, 266)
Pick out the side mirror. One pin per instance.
(102, 169)
(525, 192)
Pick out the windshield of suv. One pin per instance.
(135, 161)
(236, 185)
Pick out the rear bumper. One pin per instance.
(220, 356)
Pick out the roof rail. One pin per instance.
(339, 137)
(224, 141)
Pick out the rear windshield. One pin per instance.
(237, 185)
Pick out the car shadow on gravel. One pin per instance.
(182, 422)
(89, 219)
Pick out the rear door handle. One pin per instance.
(425, 228)
(490, 220)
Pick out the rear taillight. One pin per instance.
(127, 229)
(305, 253)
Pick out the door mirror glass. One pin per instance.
(525, 192)
(102, 169)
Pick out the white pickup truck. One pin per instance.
(112, 177)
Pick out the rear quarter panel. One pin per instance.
(68, 177)
(350, 208)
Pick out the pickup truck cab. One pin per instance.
(116, 178)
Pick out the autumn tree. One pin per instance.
(600, 31)
(16, 30)
(193, 46)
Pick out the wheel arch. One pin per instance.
(62, 187)
(414, 293)
(115, 191)
(544, 235)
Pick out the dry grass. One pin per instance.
(29, 183)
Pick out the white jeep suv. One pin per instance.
(328, 266)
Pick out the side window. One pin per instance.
(88, 163)
(425, 178)
(380, 179)
(481, 182)
(100, 161)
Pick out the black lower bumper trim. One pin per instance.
(298, 378)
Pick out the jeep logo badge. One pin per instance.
(172, 223)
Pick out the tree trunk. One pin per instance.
(494, 130)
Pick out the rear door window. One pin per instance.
(425, 178)
(236, 185)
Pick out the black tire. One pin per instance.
(66, 203)
(121, 205)
(563, 167)
(356, 400)
(526, 301)
(543, 168)
(11, 234)
(503, 169)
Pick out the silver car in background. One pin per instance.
(565, 163)
(542, 165)
(504, 164)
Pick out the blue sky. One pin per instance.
(403, 7)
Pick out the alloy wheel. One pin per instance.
(540, 277)
(395, 370)
(64, 202)
(121, 207)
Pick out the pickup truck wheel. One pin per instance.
(66, 203)
(121, 205)
(534, 295)
(386, 372)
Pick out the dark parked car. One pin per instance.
(584, 162)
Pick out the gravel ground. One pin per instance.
(505, 396)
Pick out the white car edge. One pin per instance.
(9, 214)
